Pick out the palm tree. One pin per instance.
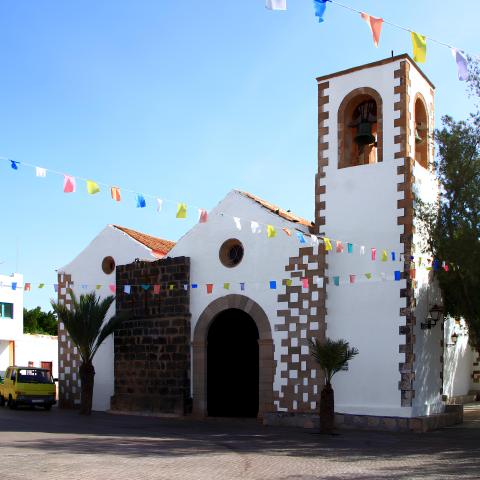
(85, 323)
(332, 356)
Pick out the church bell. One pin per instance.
(364, 134)
(364, 117)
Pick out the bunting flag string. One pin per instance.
(419, 41)
(270, 284)
(93, 187)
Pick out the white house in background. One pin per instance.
(95, 265)
(375, 155)
(11, 317)
(17, 348)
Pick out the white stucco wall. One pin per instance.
(427, 349)
(264, 260)
(37, 349)
(86, 269)
(459, 358)
(11, 329)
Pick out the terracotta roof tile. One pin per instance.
(285, 214)
(158, 245)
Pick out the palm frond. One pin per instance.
(84, 321)
(331, 355)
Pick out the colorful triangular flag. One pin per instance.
(375, 25)
(92, 187)
(115, 192)
(419, 47)
(271, 232)
(68, 184)
(462, 64)
(202, 215)
(276, 4)
(320, 6)
(141, 203)
(40, 172)
(181, 210)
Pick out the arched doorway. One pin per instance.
(265, 351)
(232, 365)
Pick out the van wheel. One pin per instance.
(12, 403)
(2, 401)
(47, 406)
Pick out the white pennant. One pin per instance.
(40, 172)
(276, 4)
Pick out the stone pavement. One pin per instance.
(61, 445)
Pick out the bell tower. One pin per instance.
(375, 153)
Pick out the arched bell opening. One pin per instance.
(421, 132)
(360, 128)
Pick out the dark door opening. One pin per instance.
(232, 365)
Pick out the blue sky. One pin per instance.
(184, 100)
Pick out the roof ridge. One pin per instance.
(159, 245)
(281, 212)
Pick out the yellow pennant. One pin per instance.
(271, 232)
(384, 256)
(92, 187)
(419, 47)
(226, 286)
(328, 244)
(182, 210)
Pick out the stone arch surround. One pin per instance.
(266, 349)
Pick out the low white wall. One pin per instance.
(37, 349)
(4, 355)
(459, 357)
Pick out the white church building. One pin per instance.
(218, 323)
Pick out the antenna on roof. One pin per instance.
(392, 53)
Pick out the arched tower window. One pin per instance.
(421, 132)
(360, 128)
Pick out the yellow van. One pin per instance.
(28, 386)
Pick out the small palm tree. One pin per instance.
(85, 323)
(332, 356)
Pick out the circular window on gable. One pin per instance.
(108, 265)
(231, 252)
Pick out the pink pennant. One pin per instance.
(112, 288)
(352, 278)
(339, 247)
(305, 282)
(202, 215)
(68, 184)
(156, 289)
(375, 25)
(374, 253)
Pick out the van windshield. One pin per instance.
(34, 375)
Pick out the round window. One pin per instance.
(108, 265)
(231, 252)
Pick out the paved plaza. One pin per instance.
(60, 445)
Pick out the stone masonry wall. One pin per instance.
(152, 347)
(69, 385)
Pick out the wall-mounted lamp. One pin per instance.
(435, 315)
(454, 338)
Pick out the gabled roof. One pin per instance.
(285, 214)
(158, 245)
